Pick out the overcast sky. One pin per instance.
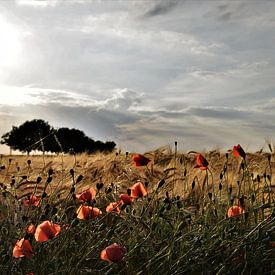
(142, 73)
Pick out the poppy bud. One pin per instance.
(161, 183)
(185, 172)
(210, 195)
(50, 172)
(221, 176)
(166, 200)
(38, 180)
(79, 179)
(269, 158)
(44, 195)
(72, 172)
(193, 184)
(242, 201)
(220, 186)
(24, 177)
(108, 190)
(99, 185)
(129, 191)
(242, 165)
(12, 182)
(258, 178)
(49, 179)
(29, 162)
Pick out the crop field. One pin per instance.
(161, 212)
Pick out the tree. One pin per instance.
(31, 135)
(73, 140)
(39, 135)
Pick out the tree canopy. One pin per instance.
(38, 135)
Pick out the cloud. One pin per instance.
(200, 72)
(120, 99)
(37, 3)
(162, 7)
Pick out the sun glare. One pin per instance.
(9, 44)
(13, 96)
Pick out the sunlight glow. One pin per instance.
(9, 44)
(14, 96)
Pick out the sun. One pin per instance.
(9, 44)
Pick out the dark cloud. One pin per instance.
(162, 7)
(225, 16)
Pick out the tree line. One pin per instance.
(39, 135)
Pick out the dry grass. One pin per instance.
(178, 171)
(179, 228)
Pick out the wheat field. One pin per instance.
(179, 225)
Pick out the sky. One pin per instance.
(142, 73)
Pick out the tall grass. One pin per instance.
(180, 227)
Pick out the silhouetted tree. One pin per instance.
(72, 140)
(39, 135)
(31, 135)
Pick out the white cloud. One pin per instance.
(134, 33)
(198, 71)
(38, 3)
(120, 99)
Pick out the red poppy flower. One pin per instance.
(113, 207)
(113, 253)
(126, 199)
(46, 231)
(22, 248)
(201, 162)
(234, 211)
(138, 190)
(238, 151)
(87, 195)
(140, 160)
(87, 212)
(30, 229)
(33, 200)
